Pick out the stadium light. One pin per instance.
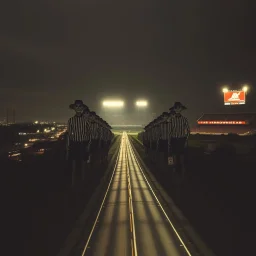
(113, 104)
(245, 88)
(141, 103)
(225, 90)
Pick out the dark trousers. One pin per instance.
(79, 150)
(177, 146)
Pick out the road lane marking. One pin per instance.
(104, 199)
(133, 233)
(131, 151)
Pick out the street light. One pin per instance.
(225, 90)
(113, 104)
(141, 103)
(141, 110)
(113, 110)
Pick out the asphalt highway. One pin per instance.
(131, 220)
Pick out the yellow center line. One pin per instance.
(132, 228)
(132, 153)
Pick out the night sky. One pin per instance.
(53, 52)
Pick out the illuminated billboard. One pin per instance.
(234, 97)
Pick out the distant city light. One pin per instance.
(112, 104)
(141, 103)
(225, 90)
(32, 140)
(36, 122)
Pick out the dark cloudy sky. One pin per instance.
(56, 51)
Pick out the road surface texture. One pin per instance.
(131, 219)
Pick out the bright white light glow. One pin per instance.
(141, 103)
(245, 88)
(225, 89)
(113, 104)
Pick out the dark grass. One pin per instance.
(39, 207)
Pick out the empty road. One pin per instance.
(131, 220)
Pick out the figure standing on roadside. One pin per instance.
(95, 126)
(179, 132)
(162, 142)
(105, 142)
(145, 139)
(79, 137)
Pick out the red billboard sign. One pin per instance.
(234, 97)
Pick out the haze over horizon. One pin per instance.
(55, 52)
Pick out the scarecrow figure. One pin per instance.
(79, 137)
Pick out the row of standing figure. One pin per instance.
(88, 139)
(165, 138)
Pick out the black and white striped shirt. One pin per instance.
(150, 134)
(94, 130)
(105, 134)
(109, 135)
(153, 134)
(144, 136)
(79, 129)
(100, 132)
(164, 130)
(179, 127)
(157, 132)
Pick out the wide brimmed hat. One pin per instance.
(78, 103)
(93, 113)
(164, 114)
(176, 105)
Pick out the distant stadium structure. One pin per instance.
(239, 123)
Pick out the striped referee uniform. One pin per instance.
(157, 134)
(109, 138)
(105, 136)
(163, 138)
(94, 136)
(150, 137)
(79, 137)
(100, 136)
(178, 134)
